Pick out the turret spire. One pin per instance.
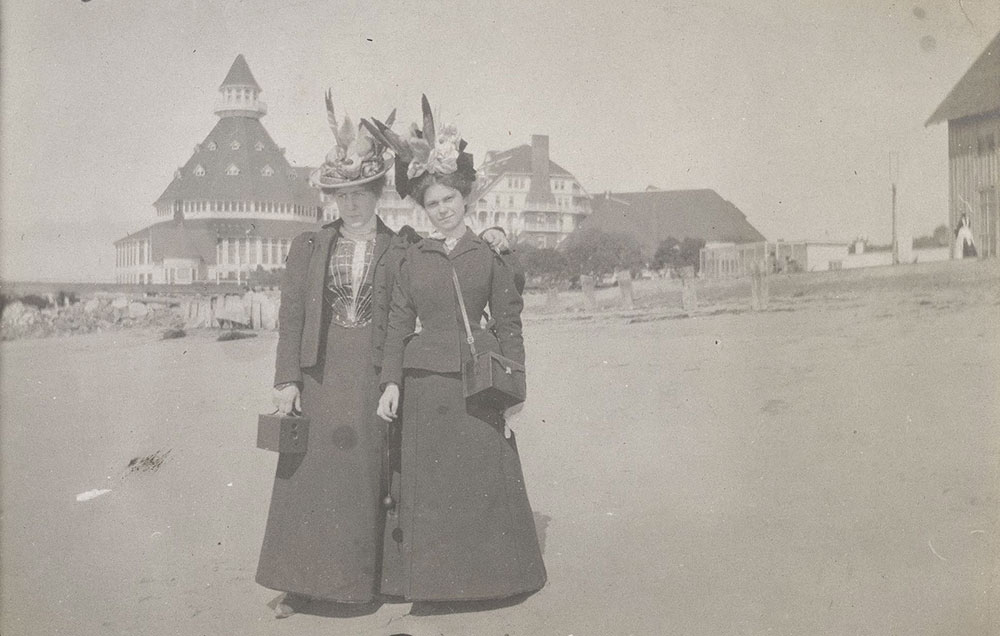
(240, 93)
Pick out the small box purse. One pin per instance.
(282, 433)
(489, 377)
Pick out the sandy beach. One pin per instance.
(830, 466)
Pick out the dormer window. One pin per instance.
(232, 170)
(267, 171)
(291, 174)
(211, 145)
(235, 145)
(177, 173)
(259, 146)
(199, 171)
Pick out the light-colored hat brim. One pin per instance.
(316, 180)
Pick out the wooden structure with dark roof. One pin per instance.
(528, 194)
(972, 110)
(654, 215)
(233, 206)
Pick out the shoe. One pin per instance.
(289, 605)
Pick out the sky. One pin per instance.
(800, 113)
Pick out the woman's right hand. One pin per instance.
(389, 402)
(287, 399)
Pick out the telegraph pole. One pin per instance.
(893, 173)
(895, 246)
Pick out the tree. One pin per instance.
(599, 253)
(543, 266)
(668, 254)
(677, 254)
(940, 238)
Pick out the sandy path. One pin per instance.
(831, 468)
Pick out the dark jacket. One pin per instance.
(424, 288)
(300, 316)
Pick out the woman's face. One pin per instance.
(445, 207)
(356, 205)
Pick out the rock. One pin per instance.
(137, 310)
(13, 313)
(233, 311)
(268, 313)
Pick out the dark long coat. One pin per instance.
(463, 528)
(324, 530)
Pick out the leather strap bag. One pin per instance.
(489, 377)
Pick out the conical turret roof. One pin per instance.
(239, 74)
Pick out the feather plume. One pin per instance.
(394, 141)
(429, 134)
(391, 119)
(331, 118)
(347, 133)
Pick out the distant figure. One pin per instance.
(965, 246)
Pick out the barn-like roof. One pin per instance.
(978, 92)
(196, 238)
(239, 161)
(654, 215)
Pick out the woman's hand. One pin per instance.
(389, 402)
(496, 238)
(287, 399)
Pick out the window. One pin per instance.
(211, 145)
(291, 174)
(235, 145)
(259, 146)
(232, 170)
(510, 202)
(199, 171)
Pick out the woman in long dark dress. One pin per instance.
(323, 538)
(464, 529)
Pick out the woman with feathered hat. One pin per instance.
(324, 526)
(323, 538)
(463, 528)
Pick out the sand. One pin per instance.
(830, 466)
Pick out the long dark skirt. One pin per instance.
(464, 528)
(324, 528)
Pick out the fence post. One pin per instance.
(587, 285)
(689, 293)
(624, 279)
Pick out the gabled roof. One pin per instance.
(239, 74)
(196, 238)
(978, 91)
(655, 215)
(287, 184)
(518, 160)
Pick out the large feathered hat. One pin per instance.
(358, 157)
(429, 150)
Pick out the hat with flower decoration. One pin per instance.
(358, 157)
(428, 151)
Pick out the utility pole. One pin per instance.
(895, 245)
(893, 174)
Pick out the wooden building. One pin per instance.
(972, 110)
(234, 206)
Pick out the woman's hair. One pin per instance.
(459, 180)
